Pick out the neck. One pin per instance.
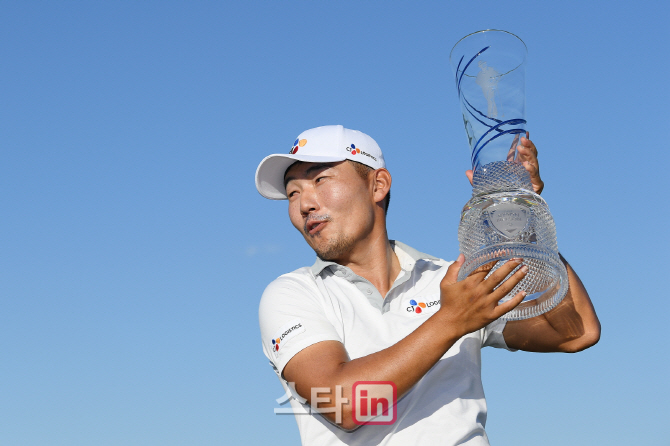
(375, 261)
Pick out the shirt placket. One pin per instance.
(364, 286)
(406, 274)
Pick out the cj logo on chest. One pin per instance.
(423, 305)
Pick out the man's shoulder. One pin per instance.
(293, 285)
(299, 277)
(408, 254)
(296, 291)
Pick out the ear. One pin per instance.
(381, 184)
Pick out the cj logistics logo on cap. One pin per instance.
(352, 148)
(298, 143)
(355, 151)
(285, 333)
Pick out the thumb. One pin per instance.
(454, 268)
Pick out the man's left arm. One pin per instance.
(573, 325)
(570, 327)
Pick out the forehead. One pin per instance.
(301, 169)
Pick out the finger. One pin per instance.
(532, 168)
(487, 267)
(508, 285)
(528, 157)
(528, 145)
(469, 173)
(508, 306)
(479, 274)
(454, 268)
(526, 152)
(534, 172)
(499, 275)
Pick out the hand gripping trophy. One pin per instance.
(504, 218)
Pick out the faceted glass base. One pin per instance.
(505, 219)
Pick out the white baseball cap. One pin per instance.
(327, 144)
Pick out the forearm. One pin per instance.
(403, 363)
(575, 319)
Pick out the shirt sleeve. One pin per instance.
(292, 317)
(492, 335)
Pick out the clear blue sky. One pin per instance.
(134, 247)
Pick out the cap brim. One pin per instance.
(270, 172)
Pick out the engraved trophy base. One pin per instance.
(506, 219)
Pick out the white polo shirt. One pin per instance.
(328, 302)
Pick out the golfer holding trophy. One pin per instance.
(374, 319)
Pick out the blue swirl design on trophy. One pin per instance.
(496, 127)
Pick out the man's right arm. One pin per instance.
(466, 306)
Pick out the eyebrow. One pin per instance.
(310, 170)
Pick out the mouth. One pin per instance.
(314, 225)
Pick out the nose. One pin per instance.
(309, 201)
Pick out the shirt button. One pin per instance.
(369, 291)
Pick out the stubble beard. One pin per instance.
(334, 247)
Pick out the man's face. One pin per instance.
(331, 205)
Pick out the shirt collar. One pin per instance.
(407, 256)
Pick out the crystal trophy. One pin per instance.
(504, 218)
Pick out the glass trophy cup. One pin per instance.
(504, 218)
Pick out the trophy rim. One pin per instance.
(485, 31)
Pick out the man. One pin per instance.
(371, 309)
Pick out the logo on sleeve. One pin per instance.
(425, 305)
(285, 333)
